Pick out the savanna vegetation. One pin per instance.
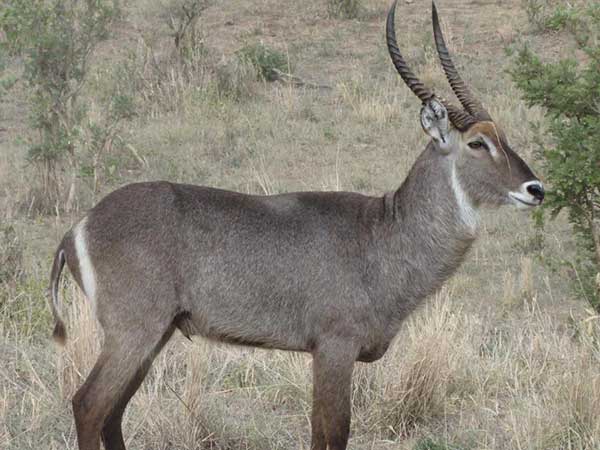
(267, 96)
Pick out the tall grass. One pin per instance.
(449, 374)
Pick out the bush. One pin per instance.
(57, 57)
(569, 91)
(236, 78)
(432, 444)
(267, 61)
(170, 67)
(16, 19)
(11, 255)
(550, 15)
(344, 9)
(182, 16)
(542, 14)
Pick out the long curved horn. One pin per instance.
(466, 98)
(460, 119)
(407, 75)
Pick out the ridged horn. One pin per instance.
(460, 119)
(407, 75)
(464, 95)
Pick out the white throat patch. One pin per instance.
(467, 211)
(86, 268)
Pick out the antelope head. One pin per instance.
(482, 161)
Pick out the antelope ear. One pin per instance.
(434, 120)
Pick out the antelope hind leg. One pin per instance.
(112, 433)
(116, 373)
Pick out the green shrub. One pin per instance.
(57, 57)
(165, 75)
(236, 78)
(16, 19)
(267, 61)
(24, 307)
(6, 83)
(549, 15)
(432, 444)
(344, 9)
(11, 255)
(182, 16)
(562, 17)
(538, 12)
(569, 92)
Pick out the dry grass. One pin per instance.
(503, 358)
(524, 383)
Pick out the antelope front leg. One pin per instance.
(317, 440)
(333, 362)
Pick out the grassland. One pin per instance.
(506, 356)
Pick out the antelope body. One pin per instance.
(329, 273)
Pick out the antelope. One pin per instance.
(333, 274)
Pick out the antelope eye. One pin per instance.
(477, 145)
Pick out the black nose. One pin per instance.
(537, 190)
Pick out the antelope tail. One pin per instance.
(60, 332)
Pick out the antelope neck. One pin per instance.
(433, 228)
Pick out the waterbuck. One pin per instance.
(330, 273)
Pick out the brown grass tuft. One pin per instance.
(429, 365)
(79, 354)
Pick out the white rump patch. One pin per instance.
(468, 214)
(86, 268)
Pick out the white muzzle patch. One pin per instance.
(523, 199)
